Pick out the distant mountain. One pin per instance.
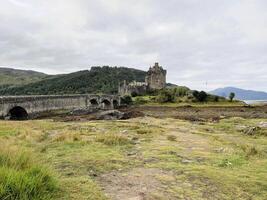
(97, 80)
(240, 94)
(10, 76)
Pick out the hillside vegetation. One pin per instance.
(10, 77)
(97, 80)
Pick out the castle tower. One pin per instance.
(156, 77)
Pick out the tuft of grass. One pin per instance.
(232, 161)
(250, 150)
(22, 178)
(113, 139)
(67, 137)
(143, 131)
(171, 137)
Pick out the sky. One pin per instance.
(203, 44)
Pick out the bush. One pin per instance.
(22, 178)
(134, 94)
(181, 91)
(127, 100)
(200, 96)
(166, 96)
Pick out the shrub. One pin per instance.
(22, 178)
(166, 96)
(134, 94)
(181, 91)
(127, 100)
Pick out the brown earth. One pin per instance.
(201, 113)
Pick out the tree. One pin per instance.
(200, 96)
(231, 96)
(195, 94)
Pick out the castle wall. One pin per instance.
(156, 77)
(155, 80)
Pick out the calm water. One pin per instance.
(255, 101)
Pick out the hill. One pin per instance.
(97, 80)
(10, 76)
(240, 93)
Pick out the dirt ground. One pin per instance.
(201, 113)
(213, 114)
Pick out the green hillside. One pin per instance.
(97, 80)
(19, 77)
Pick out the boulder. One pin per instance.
(110, 115)
(263, 125)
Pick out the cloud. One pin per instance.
(203, 44)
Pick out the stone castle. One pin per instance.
(155, 80)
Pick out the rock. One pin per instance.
(83, 111)
(110, 115)
(133, 153)
(185, 161)
(124, 131)
(262, 124)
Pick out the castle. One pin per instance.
(155, 80)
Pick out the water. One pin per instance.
(256, 102)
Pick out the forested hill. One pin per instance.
(97, 80)
(10, 76)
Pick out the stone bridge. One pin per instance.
(24, 107)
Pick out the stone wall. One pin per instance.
(134, 87)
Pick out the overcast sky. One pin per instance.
(204, 44)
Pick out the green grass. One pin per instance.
(193, 160)
(150, 101)
(113, 139)
(22, 178)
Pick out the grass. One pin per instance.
(22, 178)
(193, 160)
(113, 139)
(148, 101)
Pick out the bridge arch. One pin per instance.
(115, 103)
(18, 113)
(106, 103)
(94, 102)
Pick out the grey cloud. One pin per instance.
(219, 42)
